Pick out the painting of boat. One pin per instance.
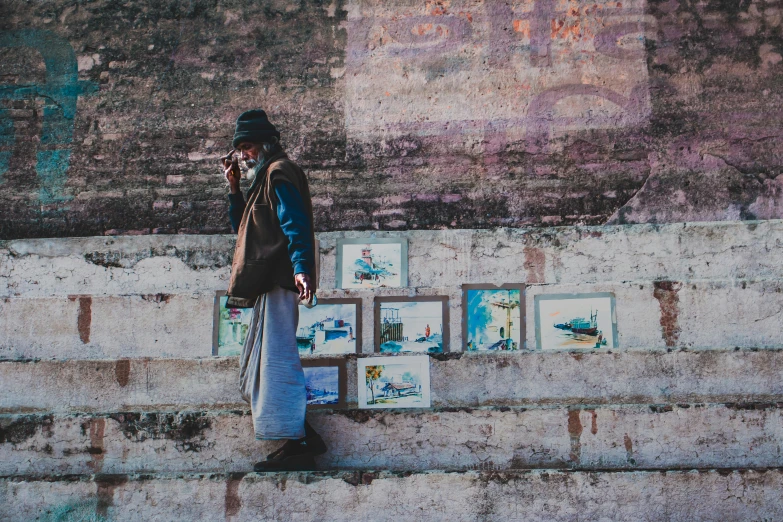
(569, 321)
(580, 325)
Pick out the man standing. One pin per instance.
(273, 269)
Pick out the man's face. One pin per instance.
(249, 152)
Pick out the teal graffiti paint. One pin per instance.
(6, 141)
(60, 93)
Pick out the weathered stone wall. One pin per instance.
(107, 373)
(405, 114)
(537, 496)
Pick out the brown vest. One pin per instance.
(261, 259)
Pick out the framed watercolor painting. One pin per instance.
(372, 263)
(493, 317)
(229, 326)
(333, 326)
(325, 383)
(411, 324)
(569, 321)
(394, 382)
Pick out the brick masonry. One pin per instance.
(406, 115)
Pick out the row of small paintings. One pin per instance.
(389, 382)
(493, 320)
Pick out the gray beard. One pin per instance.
(252, 170)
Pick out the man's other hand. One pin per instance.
(305, 287)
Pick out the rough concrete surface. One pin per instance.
(721, 314)
(545, 496)
(466, 381)
(561, 255)
(601, 437)
(696, 286)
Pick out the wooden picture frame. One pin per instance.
(378, 333)
(342, 380)
(342, 266)
(520, 315)
(357, 327)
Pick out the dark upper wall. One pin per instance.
(405, 114)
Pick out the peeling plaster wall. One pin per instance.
(545, 496)
(406, 115)
(701, 286)
(598, 437)
(105, 347)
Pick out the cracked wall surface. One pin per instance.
(457, 381)
(535, 496)
(604, 437)
(152, 296)
(406, 115)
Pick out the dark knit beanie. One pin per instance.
(254, 126)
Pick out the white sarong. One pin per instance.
(270, 376)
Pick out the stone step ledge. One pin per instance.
(542, 495)
(691, 314)
(457, 380)
(151, 264)
(604, 437)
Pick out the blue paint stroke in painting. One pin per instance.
(60, 92)
(491, 320)
(322, 384)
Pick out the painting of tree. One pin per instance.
(372, 374)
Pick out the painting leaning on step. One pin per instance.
(394, 382)
(493, 318)
(569, 321)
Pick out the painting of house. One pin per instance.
(394, 382)
(331, 327)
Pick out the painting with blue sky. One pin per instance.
(371, 265)
(411, 326)
(394, 382)
(493, 319)
(327, 329)
(322, 384)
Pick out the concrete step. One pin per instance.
(183, 264)
(457, 380)
(545, 495)
(601, 437)
(692, 314)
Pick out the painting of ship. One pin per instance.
(580, 325)
(568, 321)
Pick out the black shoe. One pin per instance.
(295, 455)
(315, 444)
(290, 463)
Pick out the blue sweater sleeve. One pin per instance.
(296, 226)
(236, 207)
